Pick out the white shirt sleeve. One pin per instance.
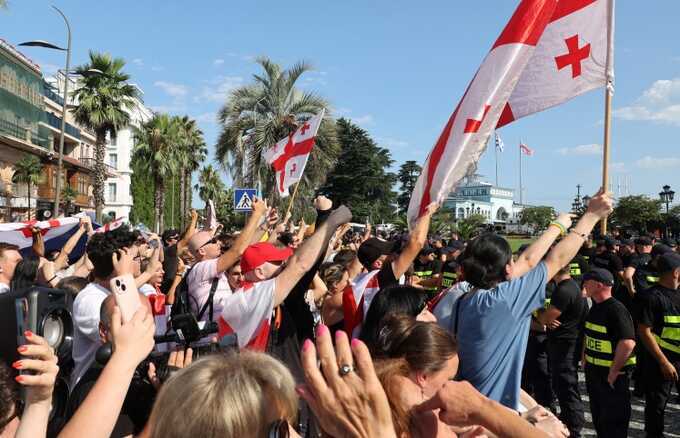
(246, 310)
(203, 271)
(86, 314)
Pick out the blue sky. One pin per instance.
(397, 68)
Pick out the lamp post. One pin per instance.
(667, 197)
(48, 45)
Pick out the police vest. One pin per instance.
(670, 333)
(423, 275)
(599, 350)
(575, 269)
(448, 279)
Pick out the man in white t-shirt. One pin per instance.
(270, 275)
(9, 257)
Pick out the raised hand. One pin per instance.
(601, 204)
(39, 357)
(341, 215)
(565, 219)
(322, 203)
(122, 262)
(132, 341)
(259, 206)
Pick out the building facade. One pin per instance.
(495, 204)
(118, 193)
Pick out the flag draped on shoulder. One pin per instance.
(465, 135)
(289, 156)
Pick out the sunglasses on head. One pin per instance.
(213, 240)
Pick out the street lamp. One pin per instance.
(48, 45)
(667, 196)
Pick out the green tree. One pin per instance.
(407, 177)
(28, 170)
(636, 212)
(258, 115)
(538, 217)
(142, 189)
(155, 154)
(210, 184)
(360, 178)
(68, 195)
(104, 101)
(467, 227)
(191, 153)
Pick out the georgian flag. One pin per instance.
(549, 52)
(289, 156)
(526, 150)
(19, 233)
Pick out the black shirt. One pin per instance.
(609, 261)
(432, 267)
(170, 262)
(567, 298)
(656, 303)
(449, 273)
(619, 325)
(645, 275)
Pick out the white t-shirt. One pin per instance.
(86, 331)
(247, 313)
(4, 288)
(199, 281)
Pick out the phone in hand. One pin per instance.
(23, 324)
(126, 295)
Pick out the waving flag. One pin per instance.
(499, 143)
(289, 156)
(574, 55)
(465, 135)
(19, 233)
(526, 150)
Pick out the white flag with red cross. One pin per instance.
(289, 156)
(549, 52)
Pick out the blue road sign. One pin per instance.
(243, 199)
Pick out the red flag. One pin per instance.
(464, 137)
(525, 149)
(289, 156)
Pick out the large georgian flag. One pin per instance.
(548, 53)
(289, 156)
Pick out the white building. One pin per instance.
(117, 190)
(496, 204)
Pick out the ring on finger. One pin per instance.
(345, 369)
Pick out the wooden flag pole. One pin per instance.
(292, 198)
(605, 148)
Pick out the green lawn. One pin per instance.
(516, 242)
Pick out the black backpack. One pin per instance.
(185, 303)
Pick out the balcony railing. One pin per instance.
(50, 93)
(9, 127)
(89, 162)
(55, 122)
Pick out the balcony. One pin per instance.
(55, 122)
(50, 92)
(10, 128)
(89, 162)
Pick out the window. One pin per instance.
(113, 160)
(112, 192)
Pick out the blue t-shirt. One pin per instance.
(493, 330)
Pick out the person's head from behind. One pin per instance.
(101, 247)
(668, 266)
(170, 237)
(426, 255)
(334, 276)
(204, 246)
(232, 396)
(374, 253)
(9, 257)
(345, 257)
(10, 408)
(430, 352)
(73, 285)
(263, 261)
(597, 284)
(25, 273)
(395, 300)
(487, 261)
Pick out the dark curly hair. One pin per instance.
(101, 246)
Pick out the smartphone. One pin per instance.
(126, 295)
(23, 324)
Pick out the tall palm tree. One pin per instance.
(191, 153)
(28, 170)
(104, 101)
(155, 153)
(210, 185)
(258, 115)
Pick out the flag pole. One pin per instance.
(521, 199)
(608, 92)
(292, 198)
(496, 153)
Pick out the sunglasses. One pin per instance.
(211, 241)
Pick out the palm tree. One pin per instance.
(104, 101)
(258, 115)
(68, 195)
(155, 153)
(210, 185)
(191, 154)
(28, 171)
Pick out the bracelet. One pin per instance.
(563, 230)
(583, 236)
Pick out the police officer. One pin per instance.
(428, 269)
(659, 331)
(609, 342)
(451, 267)
(564, 317)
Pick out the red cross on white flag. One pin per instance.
(289, 156)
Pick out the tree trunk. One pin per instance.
(182, 200)
(187, 192)
(159, 204)
(29, 200)
(99, 174)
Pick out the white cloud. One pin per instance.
(218, 62)
(659, 103)
(653, 163)
(206, 118)
(341, 111)
(170, 109)
(363, 120)
(139, 62)
(218, 89)
(584, 149)
(391, 143)
(617, 167)
(172, 89)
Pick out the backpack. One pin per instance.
(183, 301)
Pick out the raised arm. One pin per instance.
(415, 243)
(190, 231)
(38, 242)
(307, 255)
(231, 256)
(151, 269)
(61, 262)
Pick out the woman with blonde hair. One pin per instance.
(248, 394)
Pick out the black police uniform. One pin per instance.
(536, 380)
(660, 310)
(426, 271)
(608, 323)
(577, 267)
(449, 273)
(564, 352)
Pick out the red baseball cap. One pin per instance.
(255, 255)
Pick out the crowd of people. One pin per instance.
(280, 330)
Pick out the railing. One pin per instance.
(90, 162)
(55, 122)
(48, 91)
(13, 129)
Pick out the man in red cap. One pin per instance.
(270, 274)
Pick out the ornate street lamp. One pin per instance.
(667, 196)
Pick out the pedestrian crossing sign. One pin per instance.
(243, 199)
